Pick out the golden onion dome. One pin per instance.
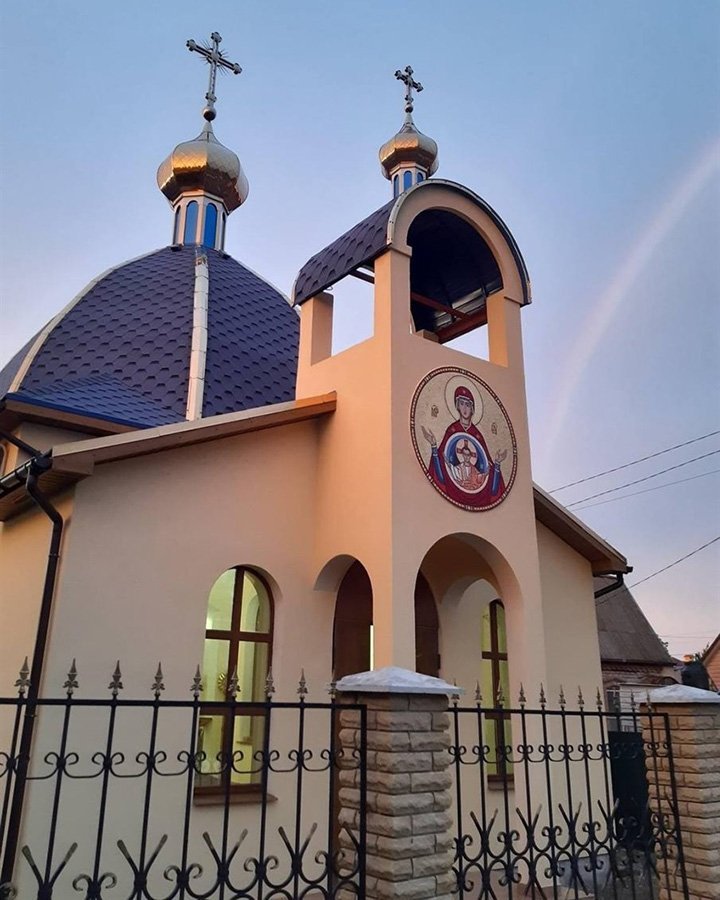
(204, 164)
(410, 147)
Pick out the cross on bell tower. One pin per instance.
(215, 59)
(410, 157)
(406, 76)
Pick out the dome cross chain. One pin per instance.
(215, 58)
(406, 76)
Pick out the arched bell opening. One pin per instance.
(353, 625)
(452, 272)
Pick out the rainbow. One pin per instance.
(602, 312)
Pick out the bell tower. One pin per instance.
(427, 442)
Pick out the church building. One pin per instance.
(190, 474)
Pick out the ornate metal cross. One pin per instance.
(406, 77)
(215, 58)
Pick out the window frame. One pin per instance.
(234, 636)
(498, 715)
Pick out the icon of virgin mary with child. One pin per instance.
(460, 466)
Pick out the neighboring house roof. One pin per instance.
(625, 634)
(711, 661)
(371, 237)
(121, 350)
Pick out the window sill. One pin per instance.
(501, 784)
(236, 798)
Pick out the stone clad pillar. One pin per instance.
(408, 823)
(694, 719)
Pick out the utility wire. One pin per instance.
(647, 490)
(634, 462)
(682, 558)
(640, 480)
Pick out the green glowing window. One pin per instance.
(496, 684)
(238, 640)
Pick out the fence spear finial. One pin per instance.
(116, 684)
(633, 705)
(522, 700)
(71, 681)
(196, 686)
(598, 700)
(543, 699)
(500, 698)
(269, 685)
(456, 693)
(332, 688)
(478, 694)
(561, 697)
(302, 690)
(157, 686)
(233, 688)
(23, 682)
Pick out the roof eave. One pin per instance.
(184, 434)
(603, 557)
(15, 410)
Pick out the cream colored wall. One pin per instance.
(149, 538)
(152, 534)
(24, 546)
(374, 501)
(571, 638)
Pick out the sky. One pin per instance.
(592, 128)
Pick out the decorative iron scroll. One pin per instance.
(587, 806)
(122, 801)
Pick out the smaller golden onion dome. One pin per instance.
(409, 147)
(204, 164)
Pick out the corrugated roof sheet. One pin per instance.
(122, 352)
(625, 634)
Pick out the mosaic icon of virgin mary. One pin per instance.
(473, 469)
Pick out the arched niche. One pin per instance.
(352, 625)
(467, 574)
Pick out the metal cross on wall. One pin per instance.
(406, 77)
(215, 58)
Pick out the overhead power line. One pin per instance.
(657, 487)
(682, 559)
(634, 462)
(640, 480)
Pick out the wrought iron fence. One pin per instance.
(552, 803)
(160, 799)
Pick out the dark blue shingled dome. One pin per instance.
(122, 352)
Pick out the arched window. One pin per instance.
(210, 225)
(495, 684)
(222, 236)
(191, 217)
(407, 180)
(396, 185)
(238, 640)
(420, 177)
(176, 226)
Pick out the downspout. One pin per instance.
(38, 465)
(20, 444)
(614, 585)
